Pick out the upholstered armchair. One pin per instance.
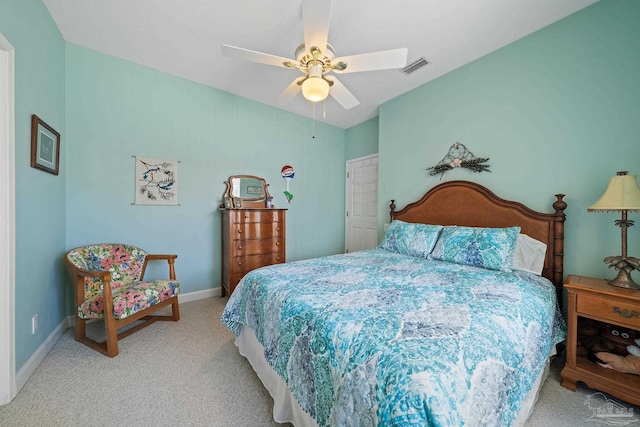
(109, 284)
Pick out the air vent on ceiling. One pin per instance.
(414, 66)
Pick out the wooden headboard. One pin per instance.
(470, 204)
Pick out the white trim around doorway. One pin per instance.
(7, 221)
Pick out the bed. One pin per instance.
(416, 331)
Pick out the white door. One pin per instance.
(7, 222)
(361, 224)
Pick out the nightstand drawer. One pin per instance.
(610, 310)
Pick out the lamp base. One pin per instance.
(623, 280)
(624, 266)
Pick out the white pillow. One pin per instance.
(529, 255)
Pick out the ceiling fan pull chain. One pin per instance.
(313, 122)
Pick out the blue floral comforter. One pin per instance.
(379, 338)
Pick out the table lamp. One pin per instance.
(622, 195)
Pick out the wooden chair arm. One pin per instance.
(162, 256)
(170, 258)
(104, 275)
(89, 273)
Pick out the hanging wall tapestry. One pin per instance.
(156, 181)
(459, 157)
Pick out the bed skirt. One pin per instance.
(287, 410)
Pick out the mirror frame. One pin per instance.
(248, 202)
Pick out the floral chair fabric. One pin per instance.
(127, 297)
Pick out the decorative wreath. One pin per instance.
(459, 156)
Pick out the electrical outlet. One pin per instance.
(34, 324)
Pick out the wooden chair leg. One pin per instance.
(175, 310)
(112, 336)
(81, 329)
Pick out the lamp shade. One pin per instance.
(622, 194)
(315, 89)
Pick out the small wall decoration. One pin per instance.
(288, 173)
(45, 146)
(459, 156)
(156, 181)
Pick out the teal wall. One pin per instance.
(556, 112)
(116, 109)
(362, 140)
(40, 196)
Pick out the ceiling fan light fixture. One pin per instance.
(315, 89)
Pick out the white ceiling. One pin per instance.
(183, 38)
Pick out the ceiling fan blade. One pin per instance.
(253, 56)
(382, 60)
(289, 93)
(341, 94)
(315, 20)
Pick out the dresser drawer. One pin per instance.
(257, 246)
(610, 310)
(252, 229)
(257, 215)
(251, 262)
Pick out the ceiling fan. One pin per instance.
(315, 58)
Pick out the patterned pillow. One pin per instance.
(410, 239)
(490, 248)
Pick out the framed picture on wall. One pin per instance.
(45, 146)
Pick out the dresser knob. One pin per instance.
(239, 263)
(277, 258)
(239, 231)
(277, 243)
(239, 248)
(246, 214)
(277, 228)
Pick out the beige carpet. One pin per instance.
(189, 373)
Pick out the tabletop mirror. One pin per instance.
(246, 191)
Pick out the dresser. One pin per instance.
(251, 238)
(596, 299)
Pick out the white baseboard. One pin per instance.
(38, 356)
(198, 295)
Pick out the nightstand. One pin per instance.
(596, 299)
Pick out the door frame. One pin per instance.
(346, 192)
(7, 221)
